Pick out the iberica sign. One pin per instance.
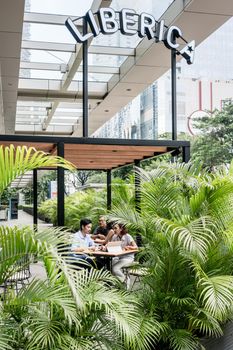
(108, 21)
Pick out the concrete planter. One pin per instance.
(223, 343)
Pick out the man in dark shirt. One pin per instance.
(101, 230)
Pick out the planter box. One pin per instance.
(223, 343)
(4, 214)
(29, 210)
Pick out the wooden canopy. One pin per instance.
(98, 154)
(94, 154)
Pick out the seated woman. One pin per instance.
(120, 234)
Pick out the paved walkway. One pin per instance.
(24, 219)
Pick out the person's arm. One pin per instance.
(98, 236)
(78, 249)
(95, 233)
(91, 244)
(108, 237)
(132, 244)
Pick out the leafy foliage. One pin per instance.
(43, 185)
(71, 308)
(6, 195)
(80, 178)
(89, 203)
(16, 161)
(78, 205)
(214, 146)
(186, 220)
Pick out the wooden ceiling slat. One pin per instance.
(94, 168)
(113, 148)
(102, 156)
(109, 154)
(100, 164)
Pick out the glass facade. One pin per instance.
(208, 79)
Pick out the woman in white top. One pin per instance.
(118, 263)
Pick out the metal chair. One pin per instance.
(20, 276)
(135, 270)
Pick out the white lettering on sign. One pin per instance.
(170, 37)
(146, 25)
(127, 21)
(107, 20)
(130, 23)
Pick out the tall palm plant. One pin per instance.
(186, 220)
(71, 308)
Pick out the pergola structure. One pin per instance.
(95, 154)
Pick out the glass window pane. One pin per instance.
(68, 7)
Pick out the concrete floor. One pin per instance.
(24, 219)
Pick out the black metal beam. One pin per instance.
(173, 94)
(60, 188)
(109, 189)
(186, 154)
(138, 237)
(92, 141)
(137, 183)
(85, 81)
(35, 202)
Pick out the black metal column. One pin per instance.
(155, 112)
(109, 189)
(60, 188)
(137, 183)
(173, 94)
(35, 202)
(185, 154)
(85, 81)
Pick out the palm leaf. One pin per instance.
(216, 294)
(181, 339)
(204, 321)
(5, 341)
(16, 161)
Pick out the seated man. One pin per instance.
(82, 241)
(101, 231)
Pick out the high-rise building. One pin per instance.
(204, 86)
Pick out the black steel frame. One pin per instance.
(172, 145)
(93, 141)
(35, 204)
(109, 189)
(60, 187)
(85, 81)
(173, 94)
